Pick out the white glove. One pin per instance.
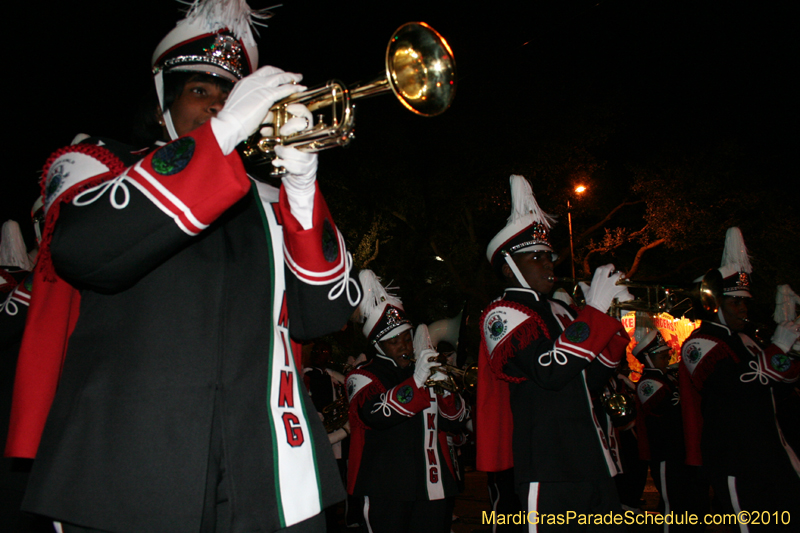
(301, 167)
(438, 376)
(249, 103)
(604, 289)
(426, 361)
(299, 182)
(785, 335)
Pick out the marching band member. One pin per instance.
(15, 296)
(728, 386)
(399, 462)
(539, 363)
(661, 433)
(169, 288)
(618, 400)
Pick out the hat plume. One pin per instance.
(735, 252)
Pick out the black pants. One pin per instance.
(773, 497)
(683, 489)
(582, 498)
(419, 516)
(503, 500)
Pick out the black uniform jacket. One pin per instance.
(552, 360)
(399, 446)
(729, 380)
(191, 277)
(659, 417)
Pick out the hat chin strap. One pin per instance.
(721, 317)
(517, 274)
(170, 126)
(158, 78)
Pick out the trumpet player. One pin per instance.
(158, 386)
(539, 363)
(729, 386)
(399, 463)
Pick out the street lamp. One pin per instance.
(578, 190)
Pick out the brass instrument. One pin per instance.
(469, 377)
(656, 298)
(618, 407)
(335, 415)
(457, 380)
(420, 71)
(439, 385)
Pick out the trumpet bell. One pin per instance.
(471, 377)
(420, 69)
(708, 290)
(619, 406)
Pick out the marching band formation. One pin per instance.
(170, 358)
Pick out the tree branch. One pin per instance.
(606, 219)
(640, 253)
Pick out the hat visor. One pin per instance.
(394, 332)
(533, 248)
(738, 294)
(205, 68)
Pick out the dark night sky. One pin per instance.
(679, 72)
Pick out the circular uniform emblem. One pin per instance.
(780, 362)
(330, 244)
(648, 389)
(577, 332)
(693, 353)
(55, 178)
(351, 388)
(405, 394)
(173, 157)
(496, 326)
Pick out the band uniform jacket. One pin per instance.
(659, 417)
(549, 360)
(193, 280)
(727, 384)
(398, 447)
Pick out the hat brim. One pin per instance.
(394, 332)
(204, 68)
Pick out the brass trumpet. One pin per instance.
(468, 378)
(656, 298)
(336, 414)
(457, 380)
(420, 71)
